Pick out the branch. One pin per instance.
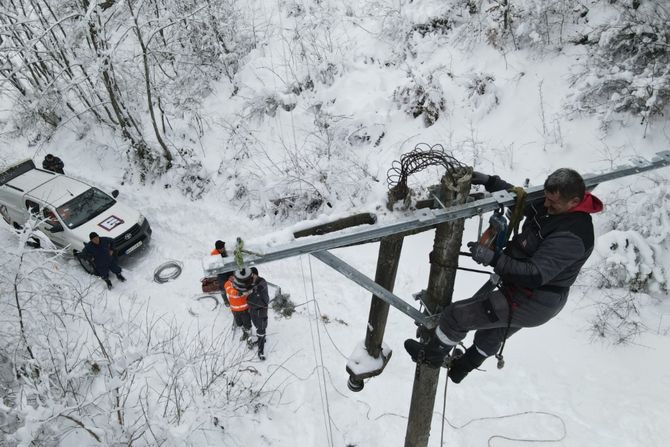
(20, 310)
(81, 424)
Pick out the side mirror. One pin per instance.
(115, 193)
(55, 227)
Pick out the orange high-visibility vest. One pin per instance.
(238, 302)
(215, 252)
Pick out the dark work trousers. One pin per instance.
(242, 319)
(259, 317)
(105, 267)
(488, 314)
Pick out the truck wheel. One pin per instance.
(85, 262)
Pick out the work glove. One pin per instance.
(482, 254)
(479, 178)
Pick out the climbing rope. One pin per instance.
(237, 253)
(168, 271)
(517, 211)
(444, 406)
(515, 219)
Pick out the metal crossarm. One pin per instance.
(421, 219)
(371, 286)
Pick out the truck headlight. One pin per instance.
(141, 220)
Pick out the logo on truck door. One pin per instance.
(110, 223)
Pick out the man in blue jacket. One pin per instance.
(101, 251)
(258, 301)
(536, 269)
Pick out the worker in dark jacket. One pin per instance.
(53, 164)
(258, 301)
(536, 270)
(101, 251)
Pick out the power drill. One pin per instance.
(496, 234)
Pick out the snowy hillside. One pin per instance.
(277, 113)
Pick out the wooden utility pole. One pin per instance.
(444, 262)
(387, 267)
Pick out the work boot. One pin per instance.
(434, 353)
(109, 283)
(251, 341)
(120, 277)
(261, 347)
(245, 334)
(461, 366)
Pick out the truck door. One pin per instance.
(47, 222)
(53, 227)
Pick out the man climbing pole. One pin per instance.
(536, 270)
(237, 288)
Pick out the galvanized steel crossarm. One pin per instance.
(371, 286)
(421, 219)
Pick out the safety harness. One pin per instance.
(508, 290)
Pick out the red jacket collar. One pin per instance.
(589, 204)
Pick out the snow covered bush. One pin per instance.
(518, 24)
(282, 304)
(629, 262)
(482, 92)
(617, 317)
(421, 97)
(77, 366)
(631, 251)
(628, 68)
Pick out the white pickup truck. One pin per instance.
(68, 210)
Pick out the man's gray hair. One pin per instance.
(567, 182)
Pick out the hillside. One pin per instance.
(277, 113)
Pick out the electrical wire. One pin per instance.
(175, 268)
(506, 416)
(319, 366)
(421, 157)
(318, 333)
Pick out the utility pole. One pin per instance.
(387, 267)
(443, 265)
(388, 259)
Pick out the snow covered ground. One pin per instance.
(560, 383)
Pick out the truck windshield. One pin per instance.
(84, 207)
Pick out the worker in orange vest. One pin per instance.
(237, 288)
(220, 250)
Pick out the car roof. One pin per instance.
(59, 189)
(31, 179)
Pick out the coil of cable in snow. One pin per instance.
(168, 271)
(204, 297)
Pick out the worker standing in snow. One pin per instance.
(536, 269)
(237, 288)
(258, 300)
(101, 251)
(220, 250)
